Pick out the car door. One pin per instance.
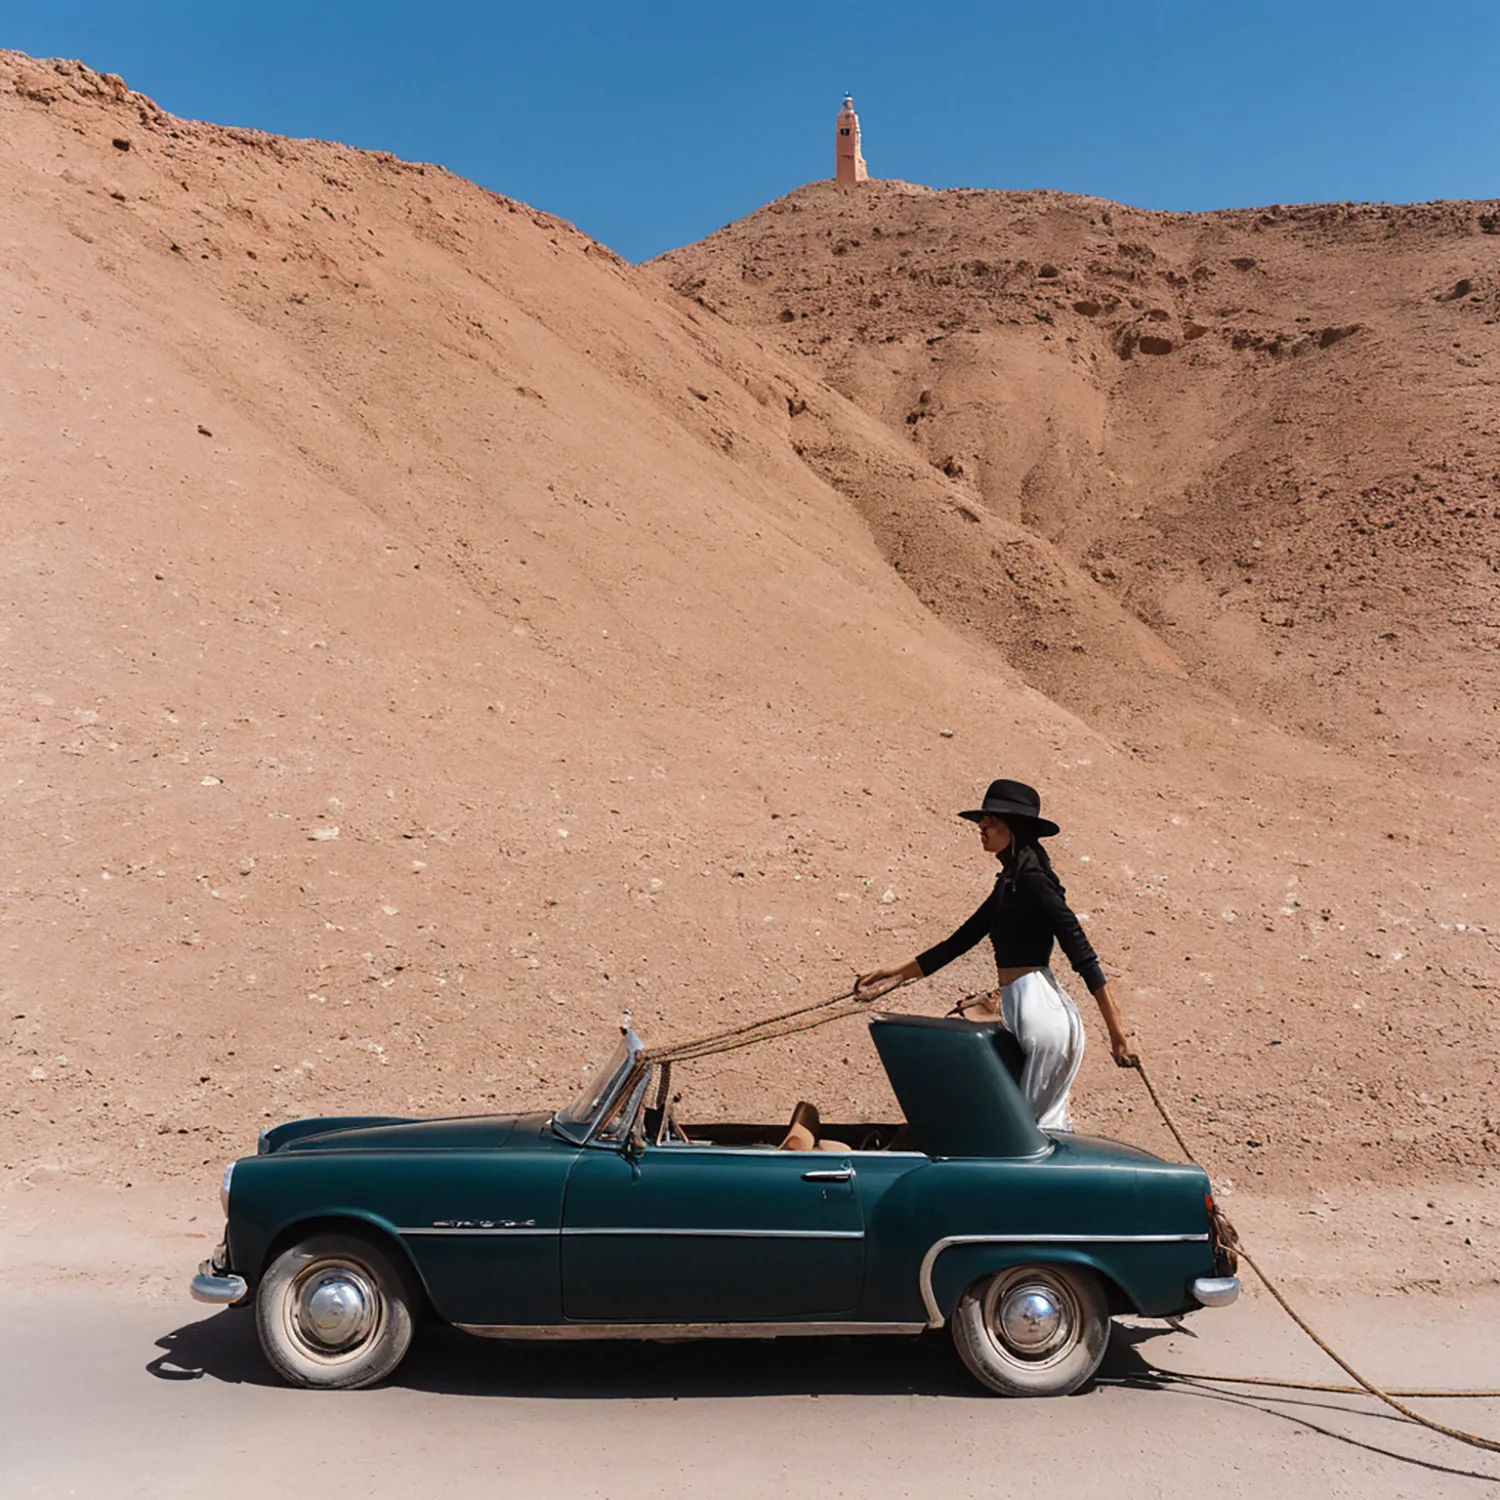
(701, 1234)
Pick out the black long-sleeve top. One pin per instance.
(1022, 915)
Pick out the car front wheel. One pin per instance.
(333, 1313)
(1033, 1330)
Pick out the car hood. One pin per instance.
(385, 1133)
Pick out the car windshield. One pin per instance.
(576, 1120)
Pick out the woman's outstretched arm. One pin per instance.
(1119, 1042)
(939, 954)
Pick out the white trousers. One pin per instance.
(1047, 1025)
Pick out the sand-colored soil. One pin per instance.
(427, 635)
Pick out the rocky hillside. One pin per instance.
(1269, 437)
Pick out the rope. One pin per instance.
(1368, 1387)
(1162, 1110)
(789, 1023)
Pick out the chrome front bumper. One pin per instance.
(220, 1290)
(1216, 1291)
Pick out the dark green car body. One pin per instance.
(609, 1220)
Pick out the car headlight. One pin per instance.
(224, 1188)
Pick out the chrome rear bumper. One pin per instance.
(1216, 1291)
(209, 1286)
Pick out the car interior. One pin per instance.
(805, 1131)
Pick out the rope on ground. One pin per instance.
(1435, 1393)
(1368, 1387)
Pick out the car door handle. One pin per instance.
(833, 1174)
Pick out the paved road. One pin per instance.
(105, 1398)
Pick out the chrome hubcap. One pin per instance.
(336, 1307)
(1029, 1318)
(1032, 1317)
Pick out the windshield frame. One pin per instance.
(578, 1121)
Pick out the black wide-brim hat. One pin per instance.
(1020, 806)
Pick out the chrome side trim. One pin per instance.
(708, 1148)
(1216, 1291)
(674, 1331)
(935, 1317)
(683, 1232)
(732, 1234)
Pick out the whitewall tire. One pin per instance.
(1033, 1330)
(334, 1313)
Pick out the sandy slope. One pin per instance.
(639, 657)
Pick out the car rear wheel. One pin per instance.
(1033, 1330)
(333, 1313)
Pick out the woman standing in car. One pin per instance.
(1022, 916)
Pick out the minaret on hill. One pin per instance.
(848, 161)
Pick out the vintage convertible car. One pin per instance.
(613, 1219)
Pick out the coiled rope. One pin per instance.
(1367, 1387)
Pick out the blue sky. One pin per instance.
(652, 124)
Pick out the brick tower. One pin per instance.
(848, 161)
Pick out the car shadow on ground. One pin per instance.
(444, 1361)
(222, 1346)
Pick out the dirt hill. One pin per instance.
(428, 636)
(1270, 436)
